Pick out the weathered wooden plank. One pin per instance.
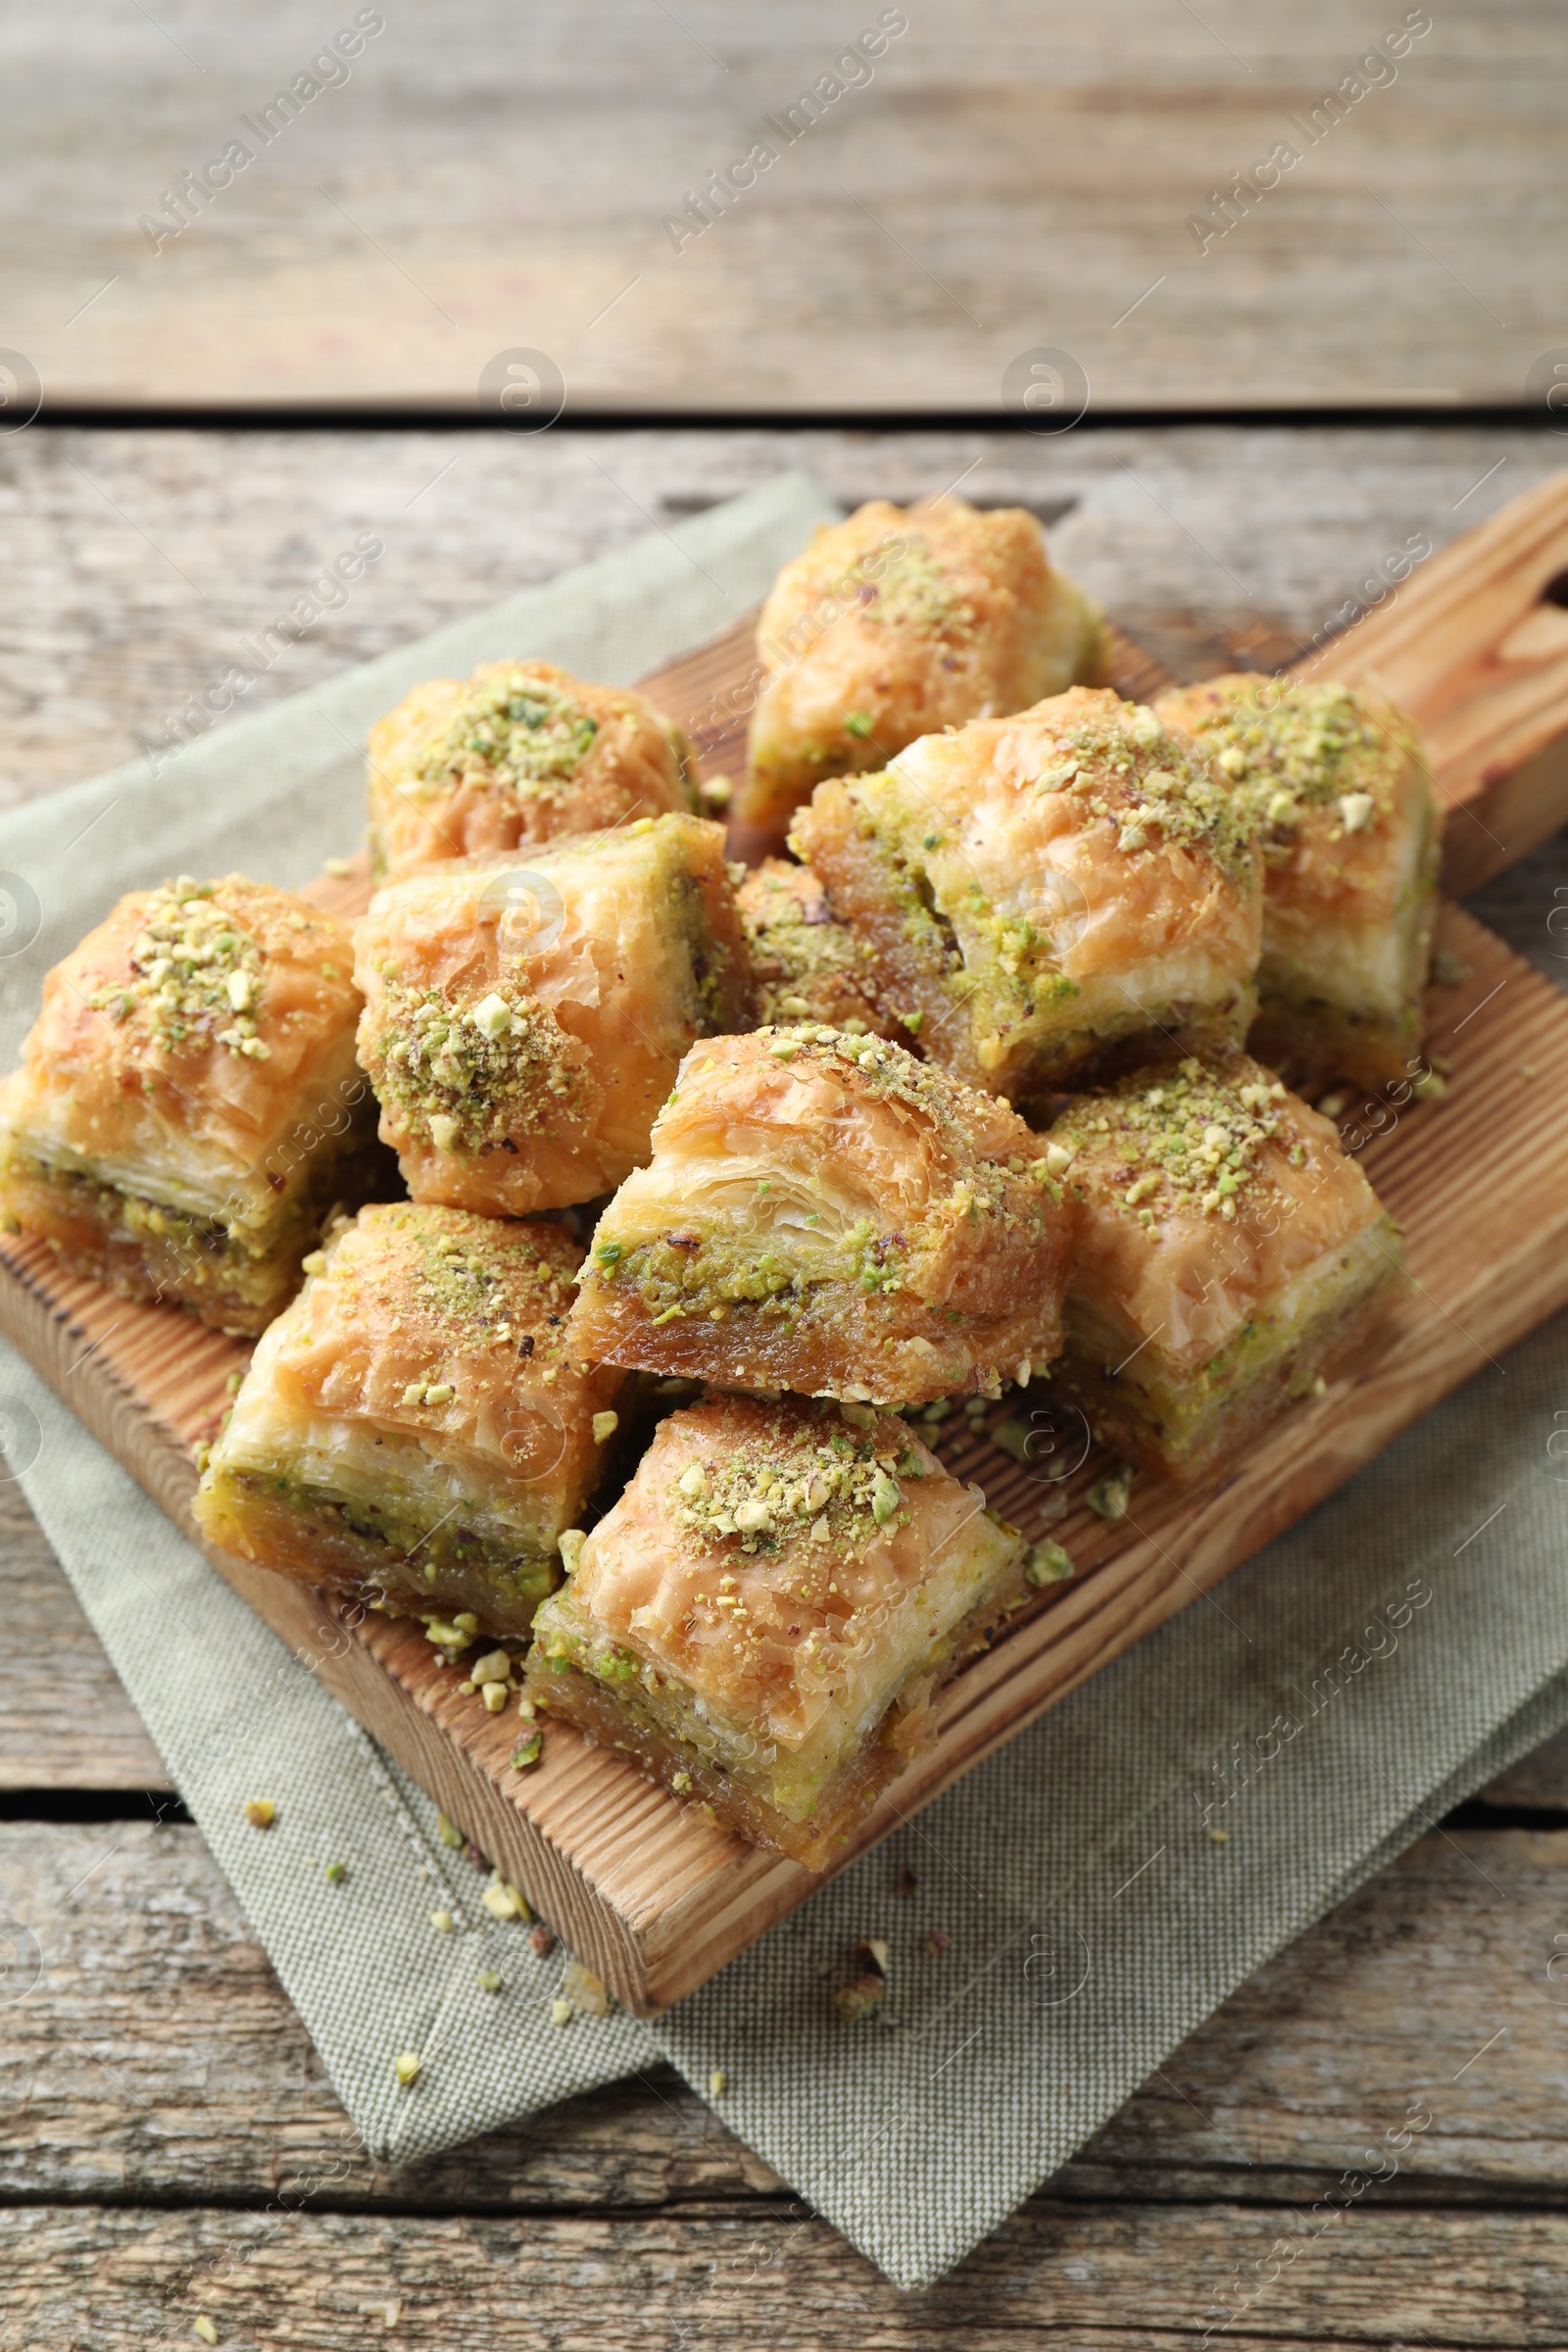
(998, 179)
(1121, 2278)
(1539, 1780)
(1210, 544)
(65, 1721)
(158, 2060)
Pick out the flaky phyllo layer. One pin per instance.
(1226, 1245)
(1335, 782)
(523, 1024)
(188, 1104)
(415, 1419)
(901, 623)
(765, 1613)
(519, 754)
(1038, 890)
(825, 1214)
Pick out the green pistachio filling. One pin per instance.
(196, 978)
(516, 730)
(803, 958)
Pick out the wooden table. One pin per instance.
(168, 2146)
(1220, 206)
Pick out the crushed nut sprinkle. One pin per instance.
(196, 975)
(467, 1076)
(261, 1812)
(1153, 784)
(1186, 1141)
(1110, 1495)
(514, 730)
(836, 1496)
(1289, 749)
(916, 591)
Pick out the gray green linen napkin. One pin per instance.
(1081, 1901)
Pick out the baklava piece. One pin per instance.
(808, 965)
(522, 1024)
(515, 755)
(1039, 890)
(824, 1213)
(1337, 783)
(900, 622)
(188, 1110)
(1230, 1256)
(415, 1425)
(764, 1617)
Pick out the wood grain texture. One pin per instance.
(121, 2277)
(159, 2060)
(65, 1720)
(653, 1896)
(1475, 648)
(137, 562)
(1009, 178)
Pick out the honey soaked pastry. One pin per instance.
(900, 622)
(824, 1213)
(807, 965)
(515, 755)
(1337, 783)
(764, 1617)
(522, 1024)
(188, 1108)
(1040, 890)
(416, 1424)
(1228, 1255)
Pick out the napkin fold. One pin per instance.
(1058, 1921)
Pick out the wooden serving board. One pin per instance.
(1474, 644)
(647, 1890)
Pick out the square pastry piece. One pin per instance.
(1038, 891)
(808, 965)
(825, 1214)
(188, 1108)
(898, 623)
(515, 754)
(1352, 832)
(1228, 1255)
(415, 1423)
(764, 1618)
(523, 1024)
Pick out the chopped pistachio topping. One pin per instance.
(467, 1076)
(1286, 750)
(859, 1999)
(406, 2065)
(1110, 1495)
(514, 730)
(834, 1496)
(917, 590)
(195, 975)
(1046, 1563)
(261, 1812)
(1152, 784)
(1183, 1141)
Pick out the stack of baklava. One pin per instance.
(951, 1091)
